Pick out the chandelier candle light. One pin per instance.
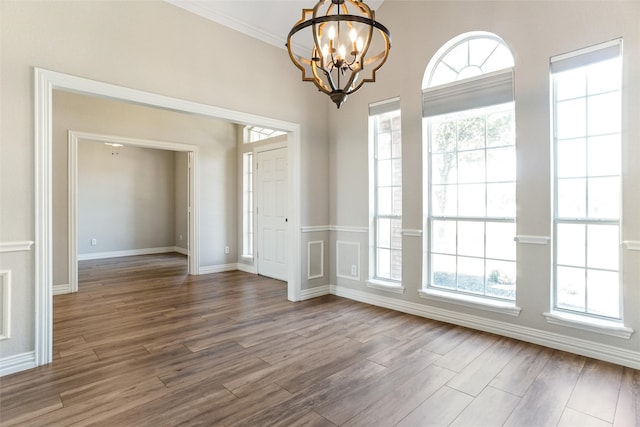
(343, 32)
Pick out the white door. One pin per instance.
(271, 212)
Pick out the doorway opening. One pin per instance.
(192, 197)
(46, 81)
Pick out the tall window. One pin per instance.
(470, 131)
(386, 190)
(586, 94)
(247, 205)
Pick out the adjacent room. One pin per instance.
(250, 213)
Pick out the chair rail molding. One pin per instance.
(19, 246)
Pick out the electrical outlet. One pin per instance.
(226, 249)
(354, 270)
(180, 237)
(94, 241)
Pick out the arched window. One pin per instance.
(469, 119)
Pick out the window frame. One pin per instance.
(577, 60)
(376, 280)
(490, 88)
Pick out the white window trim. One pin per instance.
(478, 302)
(576, 319)
(375, 282)
(589, 323)
(383, 285)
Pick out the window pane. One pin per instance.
(480, 49)
(501, 200)
(499, 60)
(444, 237)
(572, 117)
(571, 198)
(383, 146)
(384, 173)
(443, 271)
(500, 128)
(604, 197)
(501, 164)
(397, 200)
(571, 288)
(571, 241)
(501, 279)
(604, 113)
(444, 200)
(602, 293)
(605, 76)
(458, 57)
(396, 265)
(571, 84)
(383, 263)
(443, 136)
(384, 233)
(471, 133)
(396, 234)
(396, 172)
(603, 246)
(384, 201)
(442, 74)
(572, 158)
(443, 168)
(396, 144)
(471, 200)
(471, 238)
(500, 243)
(471, 275)
(604, 155)
(471, 166)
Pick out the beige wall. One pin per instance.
(534, 31)
(155, 47)
(126, 198)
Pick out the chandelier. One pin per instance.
(343, 34)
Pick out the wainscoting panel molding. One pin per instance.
(348, 260)
(315, 259)
(5, 304)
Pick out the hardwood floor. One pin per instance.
(143, 343)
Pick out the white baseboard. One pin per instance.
(247, 268)
(17, 363)
(61, 289)
(218, 268)
(180, 250)
(318, 291)
(129, 252)
(579, 346)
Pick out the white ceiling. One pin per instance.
(266, 20)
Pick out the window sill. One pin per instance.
(385, 286)
(480, 303)
(601, 326)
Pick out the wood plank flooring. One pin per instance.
(143, 343)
